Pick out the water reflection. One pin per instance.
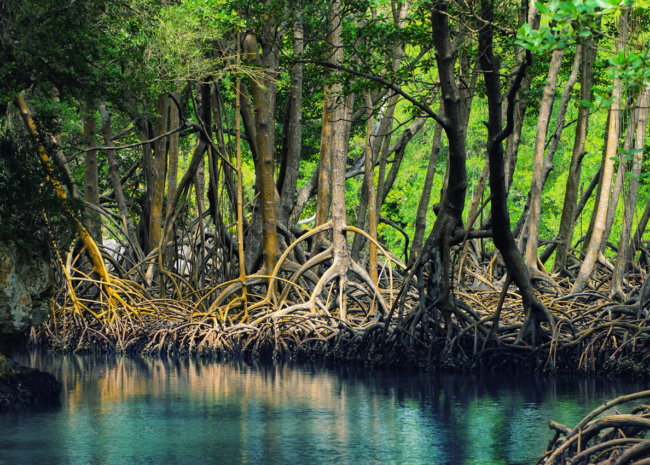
(124, 410)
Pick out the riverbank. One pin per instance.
(483, 328)
(629, 361)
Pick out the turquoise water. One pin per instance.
(139, 411)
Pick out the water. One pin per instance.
(135, 411)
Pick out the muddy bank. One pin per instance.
(630, 362)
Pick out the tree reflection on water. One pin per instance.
(134, 410)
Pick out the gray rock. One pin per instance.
(26, 285)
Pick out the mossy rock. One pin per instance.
(26, 285)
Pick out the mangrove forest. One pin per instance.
(446, 186)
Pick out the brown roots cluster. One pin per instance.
(318, 309)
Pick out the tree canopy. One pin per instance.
(368, 164)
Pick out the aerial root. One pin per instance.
(329, 307)
(613, 439)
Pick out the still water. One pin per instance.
(140, 411)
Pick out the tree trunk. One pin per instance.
(473, 209)
(341, 116)
(555, 139)
(635, 244)
(619, 183)
(536, 186)
(608, 169)
(369, 186)
(548, 251)
(89, 244)
(294, 137)
(329, 109)
(502, 235)
(91, 181)
(172, 170)
(436, 250)
(382, 143)
(117, 185)
(398, 148)
(160, 161)
(264, 92)
(567, 222)
(622, 257)
(561, 115)
(147, 168)
(425, 198)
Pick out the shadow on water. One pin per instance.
(118, 410)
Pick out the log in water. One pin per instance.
(120, 410)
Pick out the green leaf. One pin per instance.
(524, 30)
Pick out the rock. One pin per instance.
(22, 387)
(26, 285)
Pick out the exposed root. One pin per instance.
(328, 308)
(614, 439)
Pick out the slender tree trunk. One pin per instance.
(635, 244)
(398, 148)
(425, 198)
(385, 133)
(294, 137)
(329, 109)
(467, 93)
(240, 188)
(608, 168)
(58, 156)
(536, 186)
(473, 209)
(567, 223)
(399, 156)
(622, 257)
(325, 164)
(619, 182)
(91, 180)
(548, 251)
(502, 235)
(527, 14)
(172, 170)
(594, 212)
(160, 160)
(264, 92)
(467, 96)
(364, 201)
(89, 244)
(436, 250)
(248, 117)
(555, 140)
(399, 11)
(117, 185)
(561, 115)
(148, 168)
(305, 194)
(369, 185)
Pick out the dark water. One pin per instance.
(134, 411)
